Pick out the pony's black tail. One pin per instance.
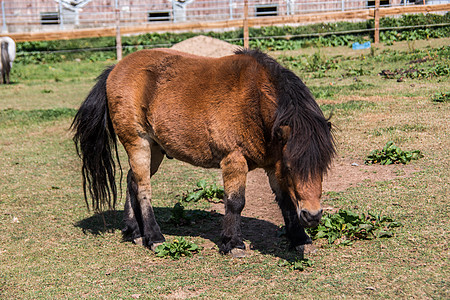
(95, 141)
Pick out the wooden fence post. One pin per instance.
(376, 38)
(246, 35)
(118, 36)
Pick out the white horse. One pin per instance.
(7, 56)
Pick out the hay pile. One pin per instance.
(206, 46)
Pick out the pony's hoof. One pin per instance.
(138, 241)
(238, 253)
(154, 246)
(306, 249)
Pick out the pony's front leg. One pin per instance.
(294, 231)
(139, 188)
(234, 172)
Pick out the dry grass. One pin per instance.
(51, 247)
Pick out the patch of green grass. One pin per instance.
(317, 64)
(14, 117)
(348, 106)
(323, 92)
(358, 71)
(357, 87)
(416, 56)
(403, 128)
(332, 91)
(57, 71)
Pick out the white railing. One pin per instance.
(50, 15)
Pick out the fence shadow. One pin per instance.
(263, 236)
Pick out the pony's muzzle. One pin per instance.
(307, 219)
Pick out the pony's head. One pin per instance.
(297, 185)
(305, 149)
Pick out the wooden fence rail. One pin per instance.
(363, 14)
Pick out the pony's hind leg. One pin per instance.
(234, 172)
(139, 218)
(131, 231)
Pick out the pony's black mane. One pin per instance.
(310, 147)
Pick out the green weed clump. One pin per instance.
(211, 193)
(441, 97)
(179, 216)
(349, 226)
(297, 264)
(177, 249)
(391, 154)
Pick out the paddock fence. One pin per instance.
(50, 15)
(54, 20)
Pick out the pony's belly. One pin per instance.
(193, 151)
(197, 158)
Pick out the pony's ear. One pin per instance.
(282, 133)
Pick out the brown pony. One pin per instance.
(237, 113)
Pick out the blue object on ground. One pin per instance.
(358, 46)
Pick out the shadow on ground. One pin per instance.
(261, 235)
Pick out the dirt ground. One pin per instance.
(344, 174)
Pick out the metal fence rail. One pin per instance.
(51, 15)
